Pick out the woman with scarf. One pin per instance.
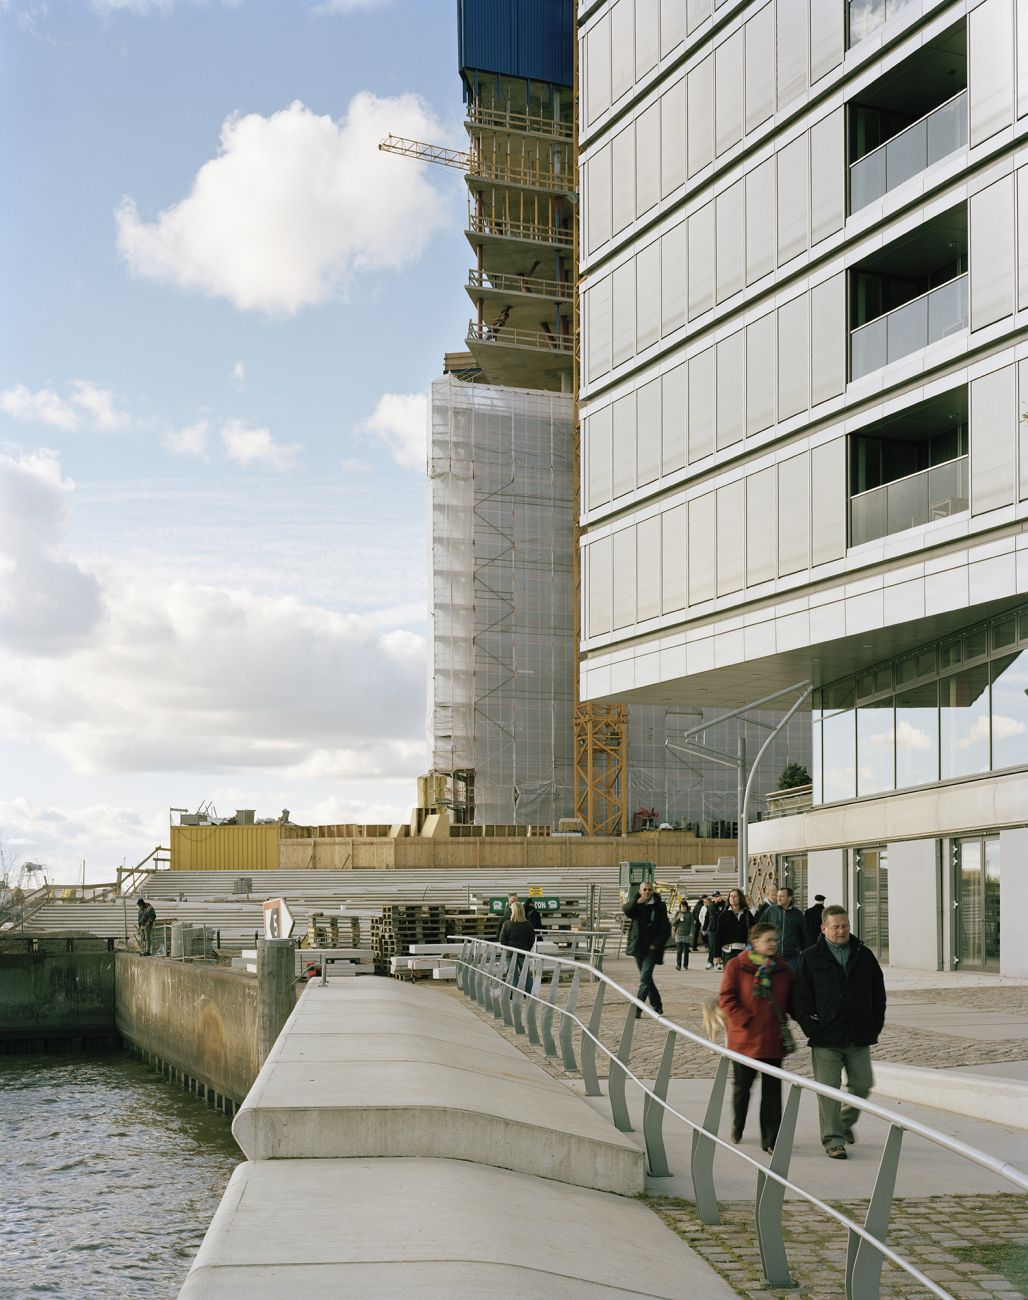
(755, 992)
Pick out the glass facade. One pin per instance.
(953, 709)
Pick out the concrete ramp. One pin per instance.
(377, 1068)
(438, 1230)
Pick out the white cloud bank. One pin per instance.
(249, 446)
(87, 406)
(400, 422)
(292, 207)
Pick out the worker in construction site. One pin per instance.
(146, 915)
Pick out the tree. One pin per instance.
(793, 774)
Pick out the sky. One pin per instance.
(222, 307)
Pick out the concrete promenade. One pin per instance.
(488, 1175)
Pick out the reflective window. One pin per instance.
(992, 253)
(730, 239)
(624, 445)
(990, 68)
(792, 199)
(672, 280)
(760, 76)
(761, 527)
(760, 220)
(874, 748)
(760, 374)
(964, 722)
(794, 488)
(647, 159)
(731, 537)
(701, 405)
(623, 197)
(728, 92)
(598, 442)
(623, 314)
(701, 261)
(598, 316)
(647, 295)
(598, 555)
(828, 501)
(731, 389)
(793, 357)
(827, 38)
(828, 338)
(701, 115)
(827, 176)
(917, 736)
(1010, 710)
(598, 190)
(673, 557)
(648, 432)
(701, 549)
(792, 50)
(672, 138)
(647, 29)
(624, 577)
(622, 48)
(839, 755)
(647, 569)
(673, 420)
(672, 25)
(993, 423)
(597, 63)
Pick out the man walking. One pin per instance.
(710, 918)
(647, 940)
(788, 921)
(839, 1001)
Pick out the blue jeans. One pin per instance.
(647, 989)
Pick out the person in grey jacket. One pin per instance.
(683, 924)
(788, 920)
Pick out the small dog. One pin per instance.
(714, 1020)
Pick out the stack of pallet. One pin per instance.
(472, 925)
(398, 927)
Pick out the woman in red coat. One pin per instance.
(754, 996)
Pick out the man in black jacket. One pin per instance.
(812, 919)
(647, 940)
(838, 997)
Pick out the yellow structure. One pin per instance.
(225, 848)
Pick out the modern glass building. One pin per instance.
(804, 388)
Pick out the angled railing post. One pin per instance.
(506, 986)
(771, 1194)
(567, 1025)
(589, 1075)
(549, 1046)
(863, 1261)
(702, 1163)
(653, 1112)
(462, 968)
(496, 969)
(533, 985)
(617, 1078)
(517, 996)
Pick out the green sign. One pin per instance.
(498, 905)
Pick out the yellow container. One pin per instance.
(225, 848)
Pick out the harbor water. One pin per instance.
(110, 1177)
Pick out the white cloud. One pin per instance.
(354, 465)
(400, 423)
(60, 837)
(347, 6)
(248, 446)
(108, 7)
(239, 377)
(192, 440)
(88, 406)
(292, 207)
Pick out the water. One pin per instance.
(109, 1177)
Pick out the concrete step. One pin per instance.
(385, 1068)
(286, 1227)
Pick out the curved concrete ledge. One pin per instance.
(384, 1069)
(980, 1096)
(291, 1227)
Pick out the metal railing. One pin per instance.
(508, 121)
(527, 175)
(910, 327)
(538, 340)
(911, 501)
(933, 137)
(505, 283)
(534, 232)
(512, 985)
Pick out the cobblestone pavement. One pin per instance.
(975, 1247)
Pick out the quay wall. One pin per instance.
(198, 1020)
(56, 994)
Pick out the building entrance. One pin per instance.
(976, 892)
(793, 872)
(872, 920)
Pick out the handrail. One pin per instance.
(904, 305)
(913, 126)
(486, 225)
(537, 339)
(527, 177)
(916, 474)
(504, 282)
(489, 973)
(501, 117)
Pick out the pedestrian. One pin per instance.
(517, 931)
(647, 940)
(698, 911)
(839, 1001)
(812, 920)
(714, 909)
(733, 927)
(531, 912)
(770, 898)
(754, 997)
(145, 918)
(683, 934)
(790, 923)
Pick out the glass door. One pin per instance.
(977, 898)
(872, 920)
(793, 872)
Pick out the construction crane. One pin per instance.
(434, 153)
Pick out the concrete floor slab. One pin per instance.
(379, 1229)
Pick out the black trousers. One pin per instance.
(682, 955)
(648, 991)
(770, 1100)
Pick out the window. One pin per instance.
(648, 432)
(761, 539)
(964, 722)
(917, 735)
(623, 281)
(827, 177)
(624, 578)
(827, 38)
(990, 48)
(701, 261)
(647, 159)
(672, 25)
(760, 77)
(647, 570)
(1010, 710)
(828, 339)
(731, 389)
(598, 442)
(597, 62)
(624, 445)
(598, 317)
(828, 494)
(794, 488)
(993, 422)
(672, 280)
(672, 138)
(701, 115)
(731, 537)
(793, 357)
(622, 48)
(647, 27)
(728, 92)
(760, 221)
(647, 296)
(992, 253)
(792, 199)
(730, 241)
(598, 555)
(875, 772)
(598, 190)
(760, 374)
(792, 50)
(623, 197)
(839, 755)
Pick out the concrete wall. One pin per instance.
(826, 874)
(1013, 876)
(50, 996)
(914, 904)
(199, 1019)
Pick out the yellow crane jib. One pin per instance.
(434, 153)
